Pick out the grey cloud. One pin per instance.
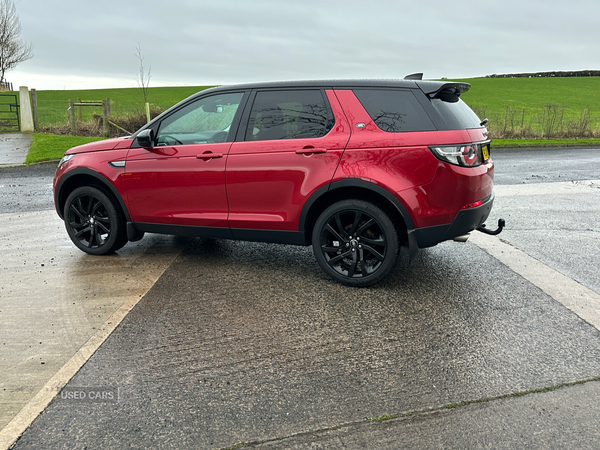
(200, 42)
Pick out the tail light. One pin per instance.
(465, 155)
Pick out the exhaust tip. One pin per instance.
(462, 238)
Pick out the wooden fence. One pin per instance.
(6, 86)
(105, 104)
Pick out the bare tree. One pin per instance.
(143, 78)
(12, 49)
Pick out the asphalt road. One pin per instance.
(244, 343)
(551, 207)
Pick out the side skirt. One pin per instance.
(273, 236)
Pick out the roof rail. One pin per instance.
(414, 76)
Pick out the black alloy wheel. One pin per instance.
(355, 243)
(94, 221)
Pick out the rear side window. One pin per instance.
(395, 110)
(457, 115)
(293, 114)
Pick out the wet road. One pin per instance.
(242, 342)
(26, 189)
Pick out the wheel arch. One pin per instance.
(85, 177)
(354, 188)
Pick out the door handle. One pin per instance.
(208, 155)
(309, 150)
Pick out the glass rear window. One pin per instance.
(458, 115)
(395, 110)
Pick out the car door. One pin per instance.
(291, 143)
(181, 180)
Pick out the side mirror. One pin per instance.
(145, 138)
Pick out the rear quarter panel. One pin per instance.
(432, 191)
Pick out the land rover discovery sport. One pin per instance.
(357, 169)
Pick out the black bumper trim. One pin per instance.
(465, 221)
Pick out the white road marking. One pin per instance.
(53, 294)
(582, 301)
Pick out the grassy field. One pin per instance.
(547, 143)
(53, 105)
(537, 107)
(48, 147)
(516, 107)
(574, 94)
(521, 110)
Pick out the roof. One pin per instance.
(334, 83)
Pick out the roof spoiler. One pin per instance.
(414, 76)
(448, 92)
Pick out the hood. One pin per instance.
(106, 144)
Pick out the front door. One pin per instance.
(181, 181)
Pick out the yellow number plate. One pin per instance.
(486, 152)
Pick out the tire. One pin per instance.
(94, 221)
(355, 243)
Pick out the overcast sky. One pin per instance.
(92, 44)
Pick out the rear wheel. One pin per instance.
(94, 221)
(355, 243)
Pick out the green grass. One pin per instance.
(48, 147)
(574, 94)
(518, 103)
(490, 97)
(53, 105)
(515, 143)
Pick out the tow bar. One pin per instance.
(501, 225)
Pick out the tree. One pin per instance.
(12, 49)
(143, 78)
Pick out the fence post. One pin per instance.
(80, 110)
(26, 115)
(72, 116)
(34, 107)
(105, 116)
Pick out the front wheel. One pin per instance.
(355, 243)
(94, 221)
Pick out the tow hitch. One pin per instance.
(501, 225)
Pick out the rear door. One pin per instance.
(290, 145)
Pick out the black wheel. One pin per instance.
(94, 221)
(355, 243)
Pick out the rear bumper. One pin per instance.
(465, 221)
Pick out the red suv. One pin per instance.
(357, 169)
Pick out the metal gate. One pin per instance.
(9, 114)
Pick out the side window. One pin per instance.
(394, 110)
(204, 121)
(293, 114)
